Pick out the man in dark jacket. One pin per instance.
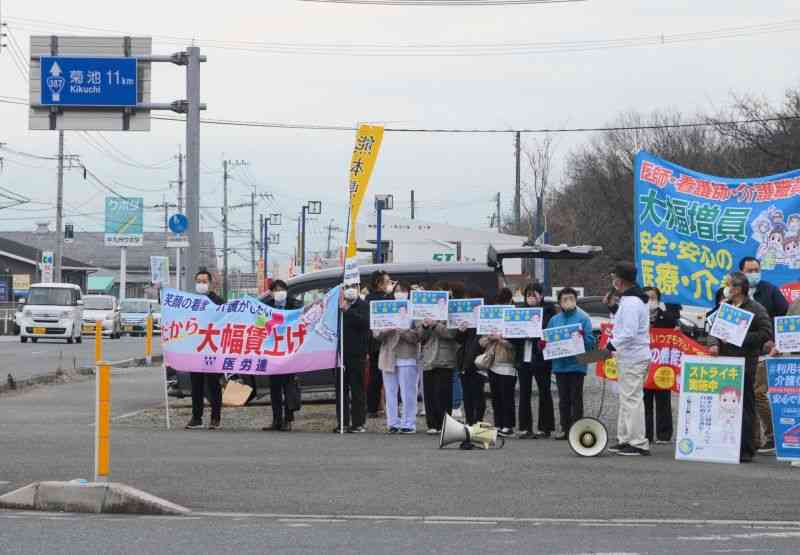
(281, 386)
(381, 289)
(759, 334)
(771, 298)
(531, 365)
(202, 382)
(356, 335)
(472, 380)
(661, 398)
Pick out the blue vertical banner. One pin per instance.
(691, 229)
(783, 381)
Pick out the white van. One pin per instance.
(52, 311)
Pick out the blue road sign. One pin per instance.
(73, 81)
(178, 223)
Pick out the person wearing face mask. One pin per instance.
(661, 398)
(570, 373)
(771, 298)
(531, 365)
(502, 374)
(471, 377)
(280, 385)
(381, 289)
(398, 362)
(631, 342)
(356, 337)
(758, 335)
(204, 383)
(611, 300)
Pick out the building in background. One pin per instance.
(104, 262)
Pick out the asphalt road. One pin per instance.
(29, 360)
(34, 533)
(46, 433)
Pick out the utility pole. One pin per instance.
(192, 59)
(331, 229)
(59, 211)
(499, 224)
(226, 165)
(314, 208)
(253, 232)
(412, 204)
(179, 182)
(517, 188)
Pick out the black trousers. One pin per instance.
(748, 409)
(472, 385)
(570, 398)
(543, 376)
(206, 385)
(354, 403)
(503, 388)
(438, 386)
(278, 396)
(662, 399)
(375, 385)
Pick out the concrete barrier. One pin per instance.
(89, 497)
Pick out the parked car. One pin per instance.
(52, 311)
(105, 309)
(133, 313)
(488, 277)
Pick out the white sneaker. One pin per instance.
(432, 432)
(458, 413)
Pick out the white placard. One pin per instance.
(429, 305)
(521, 323)
(387, 315)
(563, 341)
(463, 312)
(731, 324)
(490, 319)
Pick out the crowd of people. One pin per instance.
(449, 367)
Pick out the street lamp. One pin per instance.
(313, 207)
(382, 202)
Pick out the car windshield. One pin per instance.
(51, 296)
(136, 306)
(98, 303)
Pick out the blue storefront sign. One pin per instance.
(88, 82)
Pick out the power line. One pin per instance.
(428, 3)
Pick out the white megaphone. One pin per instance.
(481, 434)
(588, 437)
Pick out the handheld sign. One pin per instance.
(463, 312)
(490, 319)
(787, 334)
(731, 324)
(563, 341)
(520, 323)
(429, 305)
(385, 315)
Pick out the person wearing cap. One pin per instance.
(631, 343)
(280, 385)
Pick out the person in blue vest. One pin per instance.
(569, 372)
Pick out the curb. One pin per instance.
(55, 376)
(93, 497)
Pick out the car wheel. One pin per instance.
(34, 339)
(23, 339)
(79, 339)
(69, 341)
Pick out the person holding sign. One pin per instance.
(631, 341)
(502, 374)
(398, 362)
(531, 365)
(439, 349)
(759, 333)
(661, 398)
(472, 378)
(356, 336)
(569, 372)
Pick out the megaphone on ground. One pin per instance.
(588, 437)
(481, 434)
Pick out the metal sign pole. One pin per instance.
(123, 272)
(193, 159)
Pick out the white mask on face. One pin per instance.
(388, 289)
(201, 288)
(400, 296)
(279, 296)
(653, 305)
(519, 299)
(351, 294)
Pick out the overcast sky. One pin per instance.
(455, 176)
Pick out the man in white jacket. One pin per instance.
(631, 341)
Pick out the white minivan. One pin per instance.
(52, 311)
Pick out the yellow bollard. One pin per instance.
(98, 341)
(102, 425)
(148, 341)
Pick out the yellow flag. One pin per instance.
(368, 143)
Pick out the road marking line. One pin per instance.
(299, 525)
(306, 520)
(469, 522)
